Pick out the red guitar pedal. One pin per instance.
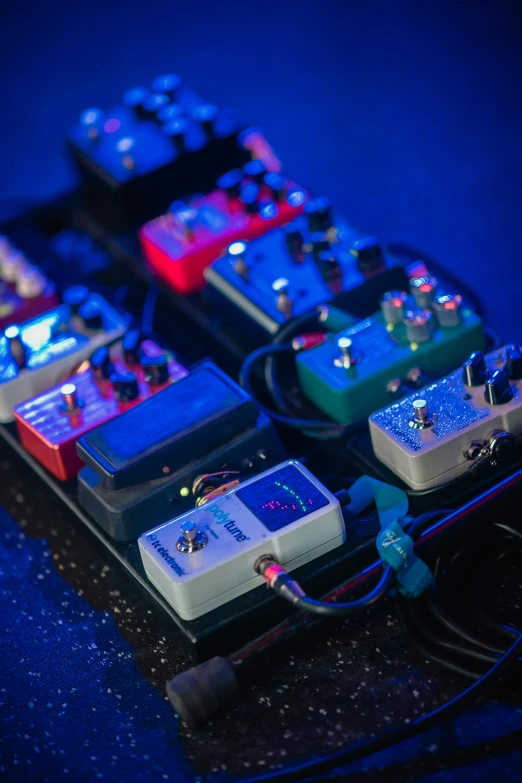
(247, 203)
(25, 292)
(118, 379)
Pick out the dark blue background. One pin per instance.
(408, 116)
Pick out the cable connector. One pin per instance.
(278, 579)
(310, 340)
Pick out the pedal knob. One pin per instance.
(168, 83)
(91, 315)
(206, 114)
(255, 169)
(134, 99)
(169, 112)
(295, 243)
(15, 346)
(392, 306)
(101, 365)
(75, 296)
(368, 253)
(70, 400)
(423, 290)
(448, 309)
(319, 215)
(475, 369)
(131, 347)
(276, 183)
(154, 103)
(249, 194)
(513, 364)
(230, 183)
(125, 386)
(347, 357)
(498, 390)
(30, 284)
(191, 539)
(418, 325)
(155, 369)
(283, 302)
(175, 130)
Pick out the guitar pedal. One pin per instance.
(24, 290)
(471, 417)
(141, 465)
(159, 143)
(315, 259)
(348, 376)
(118, 378)
(247, 203)
(205, 558)
(40, 352)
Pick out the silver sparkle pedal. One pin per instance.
(472, 416)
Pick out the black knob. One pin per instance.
(155, 369)
(368, 254)
(125, 386)
(206, 114)
(75, 296)
(101, 364)
(175, 130)
(319, 215)
(135, 98)
(153, 104)
(168, 83)
(255, 169)
(249, 194)
(475, 369)
(498, 391)
(294, 242)
(15, 345)
(231, 183)
(169, 112)
(91, 314)
(276, 184)
(513, 364)
(329, 267)
(131, 346)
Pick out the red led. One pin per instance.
(112, 125)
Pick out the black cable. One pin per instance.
(326, 609)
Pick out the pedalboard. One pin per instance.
(356, 372)
(160, 143)
(46, 349)
(142, 465)
(469, 419)
(25, 292)
(246, 204)
(206, 557)
(119, 377)
(315, 259)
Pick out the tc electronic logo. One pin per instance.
(165, 554)
(229, 524)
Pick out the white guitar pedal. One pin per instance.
(206, 557)
(437, 434)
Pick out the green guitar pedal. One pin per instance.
(347, 376)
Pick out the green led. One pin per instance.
(291, 491)
(184, 492)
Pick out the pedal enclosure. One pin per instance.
(15, 308)
(49, 432)
(56, 343)
(179, 253)
(348, 395)
(436, 454)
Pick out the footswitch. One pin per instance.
(205, 558)
(247, 203)
(119, 378)
(161, 142)
(313, 260)
(141, 466)
(471, 417)
(349, 376)
(43, 351)
(24, 290)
